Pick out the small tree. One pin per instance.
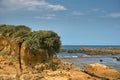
(20, 37)
(46, 40)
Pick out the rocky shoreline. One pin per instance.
(92, 51)
(95, 51)
(59, 70)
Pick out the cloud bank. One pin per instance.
(9, 5)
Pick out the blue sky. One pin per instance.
(78, 22)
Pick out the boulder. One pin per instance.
(102, 71)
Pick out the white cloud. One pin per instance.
(114, 15)
(6, 5)
(103, 13)
(48, 16)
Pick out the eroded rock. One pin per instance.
(102, 71)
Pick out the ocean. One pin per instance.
(80, 59)
(89, 46)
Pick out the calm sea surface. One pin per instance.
(80, 59)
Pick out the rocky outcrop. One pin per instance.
(10, 46)
(64, 71)
(4, 43)
(102, 71)
(29, 46)
(93, 51)
(28, 58)
(112, 51)
(41, 72)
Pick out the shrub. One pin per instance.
(35, 41)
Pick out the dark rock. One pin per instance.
(73, 51)
(118, 59)
(62, 50)
(101, 60)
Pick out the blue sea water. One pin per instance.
(84, 59)
(89, 46)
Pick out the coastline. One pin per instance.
(95, 70)
(81, 62)
(78, 55)
(61, 70)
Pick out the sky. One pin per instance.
(77, 22)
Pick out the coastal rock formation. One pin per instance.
(41, 72)
(9, 71)
(27, 46)
(102, 71)
(112, 51)
(93, 51)
(4, 43)
(9, 46)
(28, 58)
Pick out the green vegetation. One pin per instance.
(45, 40)
(37, 41)
(10, 30)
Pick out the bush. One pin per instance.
(45, 40)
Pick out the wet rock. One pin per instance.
(118, 59)
(62, 50)
(102, 71)
(101, 60)
(73, 51)
(92, 51)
